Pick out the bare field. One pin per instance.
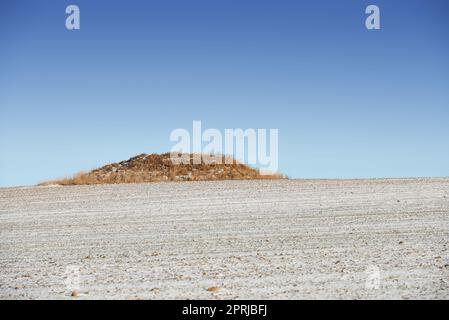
(280, 239)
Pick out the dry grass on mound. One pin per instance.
(156, 168)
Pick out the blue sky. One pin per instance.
(348, 102)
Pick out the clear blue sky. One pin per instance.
(348, 102)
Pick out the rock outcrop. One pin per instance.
(160, 167)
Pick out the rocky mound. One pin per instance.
(159, 167)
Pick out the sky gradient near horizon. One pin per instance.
(348, 102)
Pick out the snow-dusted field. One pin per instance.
(249, 239)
